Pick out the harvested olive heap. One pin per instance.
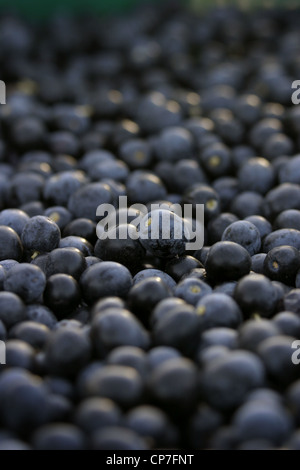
(123, 344)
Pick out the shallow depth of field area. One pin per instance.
(124, 343)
